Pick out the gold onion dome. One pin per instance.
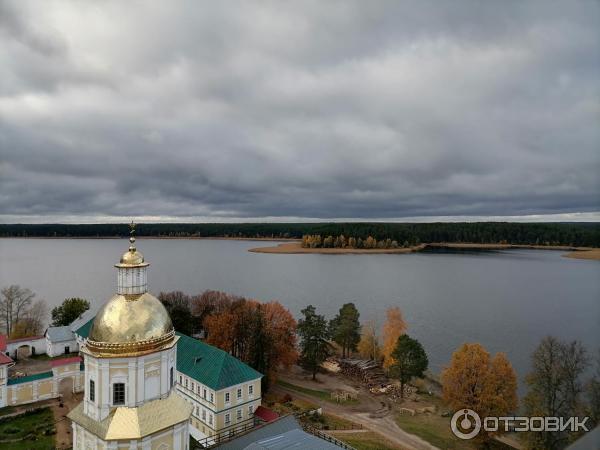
(131, 324)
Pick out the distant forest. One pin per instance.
(572, 234)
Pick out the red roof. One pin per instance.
(266, 414)
(5, 359)
(2, 342)
(28, 338)
(63, 361)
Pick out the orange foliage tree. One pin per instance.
(262, 335)
(393, 328)
(475, 381)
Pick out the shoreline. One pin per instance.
(588, 253)
(290, 246)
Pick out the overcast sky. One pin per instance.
(228, 111)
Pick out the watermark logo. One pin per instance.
(463, 421)
(466, 424)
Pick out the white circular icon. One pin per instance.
(466, 419)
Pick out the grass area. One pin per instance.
(38, 423)
(433, 429)
(322, 395)
(365, 441)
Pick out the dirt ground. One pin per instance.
(29, 366)
(64, 439)
(373, 412)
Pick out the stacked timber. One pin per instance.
(367, 371)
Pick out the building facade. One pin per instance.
(130, 400)
(138, 370)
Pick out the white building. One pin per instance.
(130, 356)
(60, 341)
(139, 371)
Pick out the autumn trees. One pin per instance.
(393, 328)
(368, 346)
(474, 380)
(341, 241)
(20, 313)
(263, 335)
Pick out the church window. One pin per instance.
(119, 394)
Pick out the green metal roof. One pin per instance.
(210, 365)
(84, 330)
(28, 378)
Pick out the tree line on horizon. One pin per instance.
(573, 234)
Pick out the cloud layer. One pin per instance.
(246, 110)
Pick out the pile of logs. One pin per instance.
(366, 370)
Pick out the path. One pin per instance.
(386, 426)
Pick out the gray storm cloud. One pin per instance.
(303, 109)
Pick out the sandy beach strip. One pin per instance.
(296, 248)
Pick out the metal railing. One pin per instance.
(320, 434)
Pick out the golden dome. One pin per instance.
(131, 258)
(131, 324)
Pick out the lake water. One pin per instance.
(506, 300)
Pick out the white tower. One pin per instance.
(130, 361)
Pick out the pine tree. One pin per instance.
(314, 347)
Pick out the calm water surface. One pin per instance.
(506, 300)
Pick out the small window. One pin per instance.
(186, 383)
(250, 409)
(119, 394)
(171, 378)
(239, 414)
(212, 398)
(193, 386)
(210, 419)
(239, 393)
(180, 380)
(204, 393)
(203, 415)
(198, 389)
(92, 391)
(197, 411)
(226, 397)
(227, 418)
(251, 389)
